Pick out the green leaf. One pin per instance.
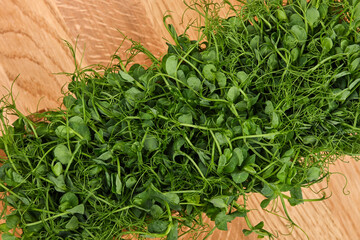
(172, 198)
(354, 65)
(171, 65)
(269, 107)
(151, 143)
(12, 221)
(275, 120)
(71, 198)
(222, 219)
(242, 76)
(118, 185)
(296, 196)
(281, 15)
(72, 224)
(282, 174)
(59, 183)
(354, 83)
(352, 49)
(173, 234)
(239, 176)
(295, 52)
(156, 211)
(79, 126)
(62, 153)
(8, 236)
(69, 101)
(221, 79)
(126, 76)
(219, 201)
(80, 209)
(64, 131)
(273, 61)
(327, 44)
(194, 83)
(313, 173)
(186, 118)
(221, 139)
(232, 94)
(300, 33)
(133, 95)
(130, 182)
(309, 140)
(312, 17)
(323, 10)
(158, 226)
(57, 169)
(209, 71)
(264, 203)
(356, 11)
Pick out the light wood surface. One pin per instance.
(32, 46)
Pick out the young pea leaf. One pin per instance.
(80, 209)
(327, 44)
(105, 156)
(232, 94)
(242, 76)
(275, 120)
(126, 76)
(313, 173)
(59, 183)
(281, 15)
(273, 62)
(130, 182)
(209, 71)
(158, 226)
(194, 83)
(221, 79)
(71, 198)
(64, 131)
(295, 52)
(57, 169)
(79, 126)
(12, 221)
(171, 65)
(221, 163)
(352, 49)
(312, 16)
(186, 118)
(264, 203)
(151, 143)
(239, 176)
(221, 139)
(8, 236)
(323, 10)
(282, 174)
(269, 109)
(300, 33)
(222, 219)
(296, 196)
(72, 224)
(156, 211)
(173, 234)
(118, 184)
(219, 202)
(62, 153)
(354, 65)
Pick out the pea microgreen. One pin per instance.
(262, 102)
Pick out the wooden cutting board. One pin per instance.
(32, 50)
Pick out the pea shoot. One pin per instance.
(262, 102)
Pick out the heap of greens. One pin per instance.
(262, 102)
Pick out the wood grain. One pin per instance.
(31, 44)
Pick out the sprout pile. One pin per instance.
(262, 102)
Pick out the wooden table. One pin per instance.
(32, 50)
